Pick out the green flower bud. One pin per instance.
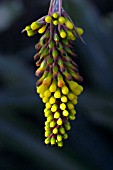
(51, 44)
(47, 133)
(62, 130)
(47, 141)
(30, 33)
(65, 136)
(72, 117)
(56, 37)
(55, 53)
(60, 144)
(53, 141)
(70, 105)
(67, 126)
(65, 42)
(71, 96)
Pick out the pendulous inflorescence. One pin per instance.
(58, 74)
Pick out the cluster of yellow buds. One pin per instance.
(58, 73)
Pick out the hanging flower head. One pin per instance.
(58, 73)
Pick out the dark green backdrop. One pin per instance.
(90, 143)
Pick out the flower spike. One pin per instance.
(58, 83)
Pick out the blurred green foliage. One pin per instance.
(89, 146)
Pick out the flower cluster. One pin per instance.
(58, 73)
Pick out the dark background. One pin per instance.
(90, 143)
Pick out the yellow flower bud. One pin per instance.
(47, 133)
(80, 31)
(47, 113)
(52, 100)
(63, 34)
(55, 130)
(47, 141)
(41, 89)
(69, 24)
(59, 121)
(48, 105)
(61, 20)
(62, 106)
(54, 108)
(53, 141)
(65, 90)
(57, 94)
(53, 87)
(64, 99)
(52, 124)
(65, 113)
(59, 138)
(72, 85)
(49, 118)
(48, 19)
(45, 99)
(41, 95)
(57, 115)
(55, 22)
(35, 26)
(27, 28)
(55, 15)
(42, 30)
(47, 93)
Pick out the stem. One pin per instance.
(60, 7)
(50, 7)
